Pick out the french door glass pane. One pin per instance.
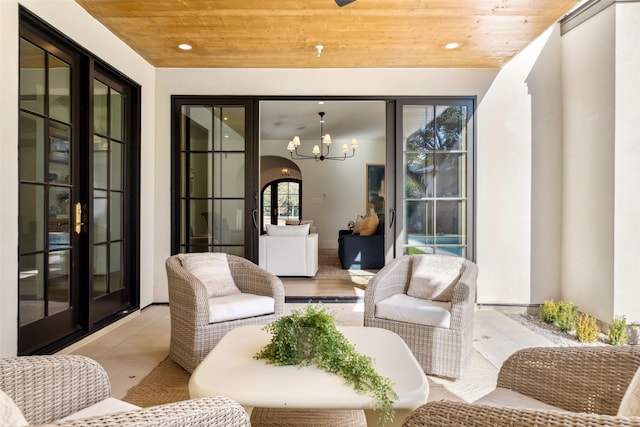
(59, 153)
(31, 148)
(32, 77)
(59, 89)
(59, 295)
(100, 116)
(229, 178)
(31, 288)
(100, 153)
(116, 165)
(31, 220)
(115, 270)
(201, 168)
(100, 216)
(117, 111)
(116, 214)
(100, 284)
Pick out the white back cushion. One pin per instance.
(212, 269)
(10, 414)
(287, 230)
(107, 406)
(434, 276)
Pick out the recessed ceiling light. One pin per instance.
(185, 46)
(453, 45)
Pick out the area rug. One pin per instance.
(329, 267)
(168, 382)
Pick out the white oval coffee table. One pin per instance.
(231, 370)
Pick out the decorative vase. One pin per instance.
(633, 334)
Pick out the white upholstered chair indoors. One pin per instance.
(212, 293)
(289, 250)
(429, 300)
(75, 391)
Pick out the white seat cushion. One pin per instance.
(104, 407)
(404, 308)
(502, 397)
(239, 306)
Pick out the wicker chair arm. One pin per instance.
(445, 413)
(202, 412)
(578, 379)
(390, 280)
(187, 295)
(47, 388)
(463, 302)
(252, 279)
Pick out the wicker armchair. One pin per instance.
(588, 382)
(192, 336)
(440, 351)
(48, 388)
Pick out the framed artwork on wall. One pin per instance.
(375, 189)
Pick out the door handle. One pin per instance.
(78, 218)
(393, 217)
(254, 217)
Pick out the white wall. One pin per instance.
(70, 19)
(627, 172)
(518, 176)
(589, 132)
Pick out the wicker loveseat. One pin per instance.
(193, 334)
(49, 388)
(586, 383)
(441, 350)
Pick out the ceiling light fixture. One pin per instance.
(452, 45)
(319, 49)
(185, 46)
(325, 142)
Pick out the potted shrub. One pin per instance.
(633, 333)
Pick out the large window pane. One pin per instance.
(228, 129)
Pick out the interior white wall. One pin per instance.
(333, 193)
(588, 75)
(70, 19)
(518, 175)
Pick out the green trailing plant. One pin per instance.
(310, 337)
(587, 329)
(548, 312)
(567, 316)
(617, 334)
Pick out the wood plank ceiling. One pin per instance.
(363, 34)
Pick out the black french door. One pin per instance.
(78, 211)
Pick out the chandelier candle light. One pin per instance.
(318, 154)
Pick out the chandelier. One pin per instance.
(325, 143)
